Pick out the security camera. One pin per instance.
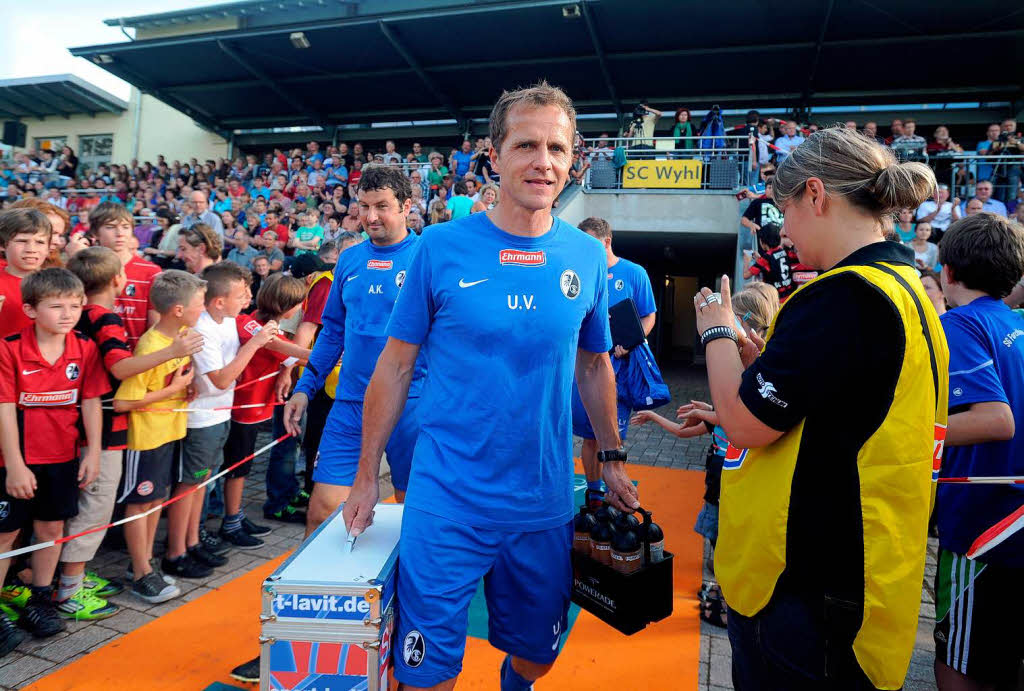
(571, 11)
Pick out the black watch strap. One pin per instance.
(618, 454)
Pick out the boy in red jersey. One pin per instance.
(111, 225)
(25, 238)
(81, 595)
(279, 297)
(46, 372)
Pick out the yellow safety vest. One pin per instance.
(331, 382)
(896, 467)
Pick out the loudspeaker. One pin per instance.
(14, 133)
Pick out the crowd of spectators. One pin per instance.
(280, 206)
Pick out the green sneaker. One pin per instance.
(289, 514)
(101, 587)
(15, 596)
(84, 606)
(300, 500)
(9, 612)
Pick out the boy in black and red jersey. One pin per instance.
(773, 263)
(802, 273)
(111, 225)
(80, 595)
(279, 298)
(48, 372)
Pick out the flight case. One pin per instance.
(327, 615)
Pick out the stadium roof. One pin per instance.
(412, 60)
(56, 94)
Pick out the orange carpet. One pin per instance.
(193, 647)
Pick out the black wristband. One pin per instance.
(611, 455)
(716, 332)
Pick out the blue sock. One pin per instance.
(595, 485)
(510, 679)
(232, 523)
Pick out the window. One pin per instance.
(96, 146)
(54, 144)
(94, 149)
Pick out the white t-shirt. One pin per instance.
(220, 346)
(945, 217)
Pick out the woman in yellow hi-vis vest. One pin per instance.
(838, 421)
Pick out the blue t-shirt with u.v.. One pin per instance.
(986, 364)
(501, 317)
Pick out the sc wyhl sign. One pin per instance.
(681, 174)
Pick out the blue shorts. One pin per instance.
(581, 426)
(527, 582)
(338, 457)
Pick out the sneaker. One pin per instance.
(15, 596)
(241, 539)
(300, 500)
(40, 616)
(154, 564)
(101, 587)
(212, 543)
(248, 672)
(200, 554)
(288, 514)
(254, 529)
(11, 637)
(153, 589)
(86, 606)
(185, 567)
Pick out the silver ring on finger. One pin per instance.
(715, 298)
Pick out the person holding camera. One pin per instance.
(641, 128)
(1006, 172)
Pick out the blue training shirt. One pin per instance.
(627, 279)
(986, 363)
(367, 281)
(501, 317)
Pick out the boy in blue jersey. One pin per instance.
(976, 600)
(508, 305)
(367, 280)
(625, 280)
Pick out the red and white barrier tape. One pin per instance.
(997, 534)
(984, 480)
(204, 410)
(68, 538)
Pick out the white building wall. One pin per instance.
(162, 130)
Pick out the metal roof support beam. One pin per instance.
(44, 96)
(427, 80)
(805, 99)
(12, 96)
(602, 59)
(232, 53)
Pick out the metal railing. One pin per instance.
(966, 170)
(711, 163)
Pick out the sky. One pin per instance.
(35, 36)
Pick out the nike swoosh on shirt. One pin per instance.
(26, 372)
(464, 284)
(351, 277)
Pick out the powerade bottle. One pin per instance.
(652, 534)
(601, 542)
(626, 521)
(627, 551)
(582, 525)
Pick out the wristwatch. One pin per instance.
(612, 455)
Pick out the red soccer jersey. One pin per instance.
(263, 362)
(106, 330)
(12, 317)
(48, 396)
(133, 305)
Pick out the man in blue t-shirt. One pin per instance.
(508, 305)
(626, 281)
(461, 160)
(982, 259)
(367, 281)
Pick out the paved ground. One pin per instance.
(648, 445)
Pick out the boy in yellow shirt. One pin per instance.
(179, 298)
